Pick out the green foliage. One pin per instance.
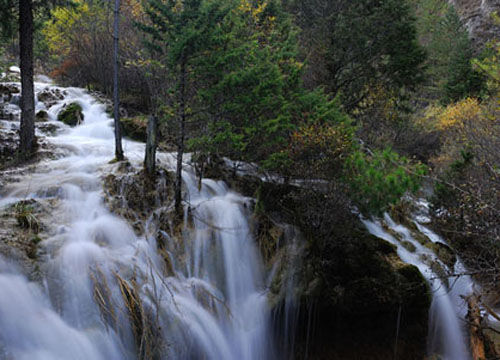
(72, 115)
(490, 66)
(381, 179)
(8, 24)
(319, 149)
(250, 103)
(354, 45)
(255, 78)
(451, 76)
(461, 79)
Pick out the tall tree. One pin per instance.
(7, 18)
(353, 46)
(116, 98)
(254, 95)
(180, 32)
(460, 78)
(27, 145)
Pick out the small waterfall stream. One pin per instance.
(447, 334)
(105, 294)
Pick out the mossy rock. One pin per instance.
(9, 89)
(42, 116)
(445, 254)
(71, 115)
(135, 127)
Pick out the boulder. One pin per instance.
(71, 115)
(15, 69)
(41, 116)
(348, 285)
(9, 89)
(50, 96)
(135, 127)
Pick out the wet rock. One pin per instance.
(42, 116)
(48, 128)
(134, 196)
(135, 127)
(9, 89)
(8, 147)
(50, 96)
(71, 115)
(22, 230)
(110, 109)
(9, 112)
(15, 69)
(344, 281)
(445, 254)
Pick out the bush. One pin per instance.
(381, 179)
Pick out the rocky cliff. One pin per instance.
(477, 15)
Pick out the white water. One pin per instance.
(447, 336)
(213, 306)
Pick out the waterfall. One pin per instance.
(447, 334)
(105, 293)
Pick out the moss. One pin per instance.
(135, 127)
(444, 253)
(416, 292)
(36, 239)
(71, 115)
(42, 116)
(408, 246)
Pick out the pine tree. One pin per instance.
(254, 78)
(353, 46)
(460, 78)
(180, 32)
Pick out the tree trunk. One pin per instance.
(27, 144)
(116, 98)
(150, 157)
(475, 330)
(180, 140)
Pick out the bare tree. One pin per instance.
(27, 145)
(116, 99)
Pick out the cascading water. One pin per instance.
(446, 335)
(105, 294)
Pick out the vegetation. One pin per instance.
(230, 79)
(72, 115)
(342, 106)
(367, 44)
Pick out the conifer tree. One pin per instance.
(179, 33)
(460, 78)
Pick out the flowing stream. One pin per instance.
(447, 334)
(105, 294)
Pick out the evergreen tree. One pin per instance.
(461, 80)
(253, 80)
(180, 32)
(355, 45)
